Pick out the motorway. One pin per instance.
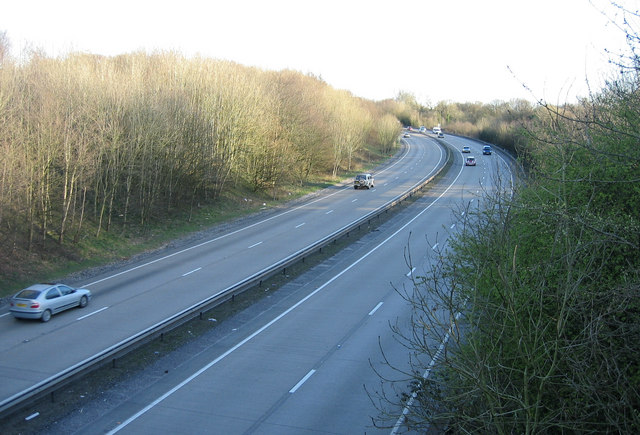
(142, 295)
(299, 366)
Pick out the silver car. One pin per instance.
(41, 301)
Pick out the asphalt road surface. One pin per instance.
(303, 365)
(141, 295)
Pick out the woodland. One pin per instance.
(100, 151)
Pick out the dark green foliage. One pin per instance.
(551, 321)
(550, 279)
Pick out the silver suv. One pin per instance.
(363, 181)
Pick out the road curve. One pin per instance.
(305, 364)
(142, 295)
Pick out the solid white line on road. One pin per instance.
(375, 309)
(299, 225)
(426, 374)
(192, 271)
(302, 381)
(411, 271)
(5, 314)
(255, 244)
(91, 314)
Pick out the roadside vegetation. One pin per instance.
(101, 157)
(104, 157)
(538, 297)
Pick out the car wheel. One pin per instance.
(83, 302)
(46, 316)
(355, 187)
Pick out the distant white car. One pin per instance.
(466, 149)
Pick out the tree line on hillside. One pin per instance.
(90, 143)
(538, 298)
(124, 140)
(499, 122)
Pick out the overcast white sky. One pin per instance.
(456, 50)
